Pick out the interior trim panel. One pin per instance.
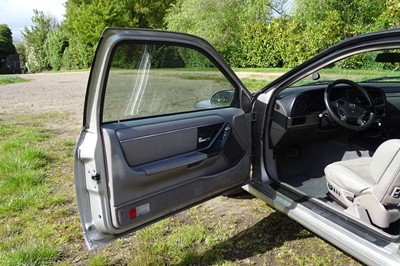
(179, 158)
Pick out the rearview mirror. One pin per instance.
(388, 58)
(222, 98)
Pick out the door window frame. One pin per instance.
(235, 102)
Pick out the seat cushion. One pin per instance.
(351, 175)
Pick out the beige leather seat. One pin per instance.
(369, 187)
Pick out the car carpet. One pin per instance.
(304, 169)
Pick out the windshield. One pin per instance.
(368, 67)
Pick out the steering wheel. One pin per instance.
(347, 112)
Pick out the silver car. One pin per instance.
(168, 124)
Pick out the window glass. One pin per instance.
(373, 66)
(152, 79)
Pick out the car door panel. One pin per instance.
(147, 165)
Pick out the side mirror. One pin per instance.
(222, 98)
(315, 76)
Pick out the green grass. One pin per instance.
(23, 189)
(173, 247)
(254, 85)
(357, 75)
(183, 239)
(36, 255)
(63, 70)
(263, 70)
(21, 169)
(11, 79)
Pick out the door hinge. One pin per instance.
(96, 177)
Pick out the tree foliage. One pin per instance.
(313, 26)
(248, 33)
(6, 43)
(221, 22)
(21, 51)
(7, 48)
(326, 22)
(86, 19)
(390, 17)
(55, 45)
(358, 16)
(35, 40)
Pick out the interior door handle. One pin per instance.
(201, 139)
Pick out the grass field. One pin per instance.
(40, 223)
(11, 79)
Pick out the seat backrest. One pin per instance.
(385, 170)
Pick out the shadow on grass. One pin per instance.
(269, 233)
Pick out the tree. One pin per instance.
(221, 22)
(7, 49)
(86, 19)
(21, 50)
(358, 16)
(35, 40)
(151, 13)
(6, 43)
(325, 22)
(55, 45)
(389, 18)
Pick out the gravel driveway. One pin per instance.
(47, 92)
(64, 92)
(58, 92)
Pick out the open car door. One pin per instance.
(167, 124)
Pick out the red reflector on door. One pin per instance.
(139, 211)
(132, 213)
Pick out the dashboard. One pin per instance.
(300, 112)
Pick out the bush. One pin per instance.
(66, 59)
(81, 55)
(56, 44)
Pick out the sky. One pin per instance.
(17, 14)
